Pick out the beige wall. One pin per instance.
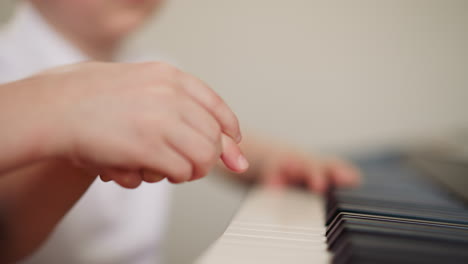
(342, 75)
(328, 73)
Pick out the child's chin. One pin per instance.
(123, 27)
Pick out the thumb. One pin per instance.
(232, 156)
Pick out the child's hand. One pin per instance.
(134, 122)
(278, 165)
(284, 166)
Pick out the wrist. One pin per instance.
(50, 138)
(27, 123)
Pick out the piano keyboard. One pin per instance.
(397, 216)
(273, 227)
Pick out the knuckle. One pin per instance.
(146, 68)
(150, 128)
(214, 102)
(232, 118)
(160, 71)
(144, 127)
(207, 157)
(217, 132)
(229, 119)
(145, 155)
(168, 92)
(152, 65)
(164, 68)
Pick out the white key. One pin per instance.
(283, 226)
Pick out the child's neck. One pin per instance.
(95, 48)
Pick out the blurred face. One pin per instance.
(112, 19)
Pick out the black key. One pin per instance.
(398, 216)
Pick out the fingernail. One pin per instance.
(242, 162)
(239, 138)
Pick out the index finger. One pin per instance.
(211, 101)
(232, 156)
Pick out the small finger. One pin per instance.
(126, 179)
(105, 177)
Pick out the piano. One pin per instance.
(408, 210)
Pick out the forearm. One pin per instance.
(32, 201)
(25, 123)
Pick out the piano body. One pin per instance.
(400, 214)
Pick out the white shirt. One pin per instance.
(109, 224)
